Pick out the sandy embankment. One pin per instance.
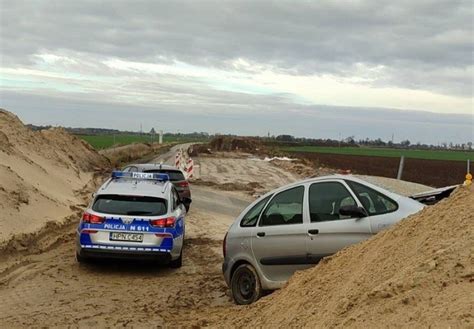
(42, 175)
(121, 155)
(419, 274)
(239, 171)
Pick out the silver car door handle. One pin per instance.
(261, 234)
(313, 231)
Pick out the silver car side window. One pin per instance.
(373, 201)
(325, 200)
(251, 217)
(285, 208)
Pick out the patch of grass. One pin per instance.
(386, 152)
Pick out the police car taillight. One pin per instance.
(183, 184)
(89, 231)
(163, 222)
(93, 219)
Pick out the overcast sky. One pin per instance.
(307, 68)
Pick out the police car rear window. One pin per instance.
(130, 205)
(174, 175)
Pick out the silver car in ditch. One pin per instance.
(295, 226)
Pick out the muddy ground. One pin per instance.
(51, 289)
(436, 173)
(42, 285)
(46, 287)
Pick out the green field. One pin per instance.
(105, 141)
(386, 152)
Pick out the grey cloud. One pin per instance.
(417, 41)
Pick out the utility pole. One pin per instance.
(400, 167)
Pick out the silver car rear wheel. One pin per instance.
(245, 285)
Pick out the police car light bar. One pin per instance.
(140, 175)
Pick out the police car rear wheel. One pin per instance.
(177, 263)
(81, 259)
(245, 285)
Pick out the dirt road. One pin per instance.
(50, 289)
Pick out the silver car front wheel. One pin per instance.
(245, 285)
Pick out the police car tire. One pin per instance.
(177, 263)
(255, 292)
(81, 259)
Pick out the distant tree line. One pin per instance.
(106, 131)
(81, 131)
(289, 140)
(286, 140)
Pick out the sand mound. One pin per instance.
(250, 187)
(420, 273)
(120, 155)
(303, 168)
(70, 149)
(39, 174)
(228, 143)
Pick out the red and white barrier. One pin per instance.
(190, 168)
(185, 163)
(177, 159)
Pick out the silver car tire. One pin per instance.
(245, 285)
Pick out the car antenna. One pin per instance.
(165, 186)
(107, 183)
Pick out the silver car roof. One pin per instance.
(136, 187)
(332, 177)
(151, 166)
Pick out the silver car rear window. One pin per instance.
(373, 201)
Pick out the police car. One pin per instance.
(134, 215)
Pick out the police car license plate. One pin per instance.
(142, 175)
(131, 237)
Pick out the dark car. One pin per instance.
(176, 176)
